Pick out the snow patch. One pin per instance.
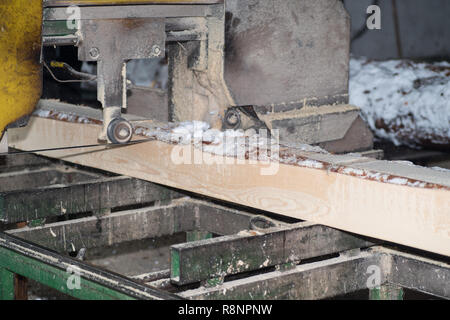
(311, 164)
(402, 100)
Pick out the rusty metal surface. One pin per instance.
(20, 68)
(283, 53)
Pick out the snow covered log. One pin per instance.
(404, 102)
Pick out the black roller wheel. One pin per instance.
(120, 131)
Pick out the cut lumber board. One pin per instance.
(408, 205)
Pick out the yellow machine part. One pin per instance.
(20, 68)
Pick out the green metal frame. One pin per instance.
(6, 284)
(387, 291)
(243, 252)
(48, 268)
(12, 262)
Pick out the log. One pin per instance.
(395, 202)
(414, 111)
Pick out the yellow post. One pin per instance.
(20, 68)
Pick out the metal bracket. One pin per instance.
(112, 42)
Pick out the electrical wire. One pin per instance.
(66, 81)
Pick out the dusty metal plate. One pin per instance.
(121, 40)
(286, 53)
(130, 11)
(127, 38)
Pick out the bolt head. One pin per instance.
(232, 119)
(156, 50)
(94, 53)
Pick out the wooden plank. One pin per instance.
(111, 229)
(305, 282)
(81, 197)
(404, 210)
(249, 251)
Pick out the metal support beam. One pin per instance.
(97, 195)
(12, 286)
(182, 215)
(221, 220)
(4, 143)
(417, 273)
(64, 274)
(387, 291)
(20, 287)
(22, 161)
(130, 11)
(254, 250)
(6, 284)
(42, 177)
(193, 236)
(112, 229)
(318, 280)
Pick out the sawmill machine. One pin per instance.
(235, 64)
